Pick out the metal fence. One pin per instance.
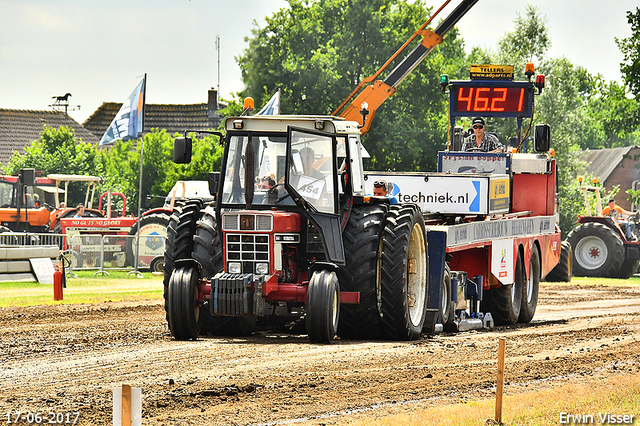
(115, 252)
(97, 252)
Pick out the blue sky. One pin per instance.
(98, 50)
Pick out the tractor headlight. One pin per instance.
(235, 267)
(262, 268)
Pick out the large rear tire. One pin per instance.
(207, 250)
(323, 306)
(183, 313)
(530, 288)
(361, 238)
(563, 271)
(505, 302)
(179, 241)
(598, 251)
(403, 273)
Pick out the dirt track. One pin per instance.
(68, 358)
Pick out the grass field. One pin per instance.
(615, 396)
(86, 288)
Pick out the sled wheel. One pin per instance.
(323, 306)
(504, 302)
(530, 289)
(183, 312)
(562, 272)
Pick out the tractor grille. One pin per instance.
(249, 249)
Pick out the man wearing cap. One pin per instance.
(480, 141)
(619, 214)
(380, 189)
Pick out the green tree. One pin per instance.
(317, 52)
(59, 151)
(630, 47)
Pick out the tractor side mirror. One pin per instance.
(457, 139)
(28, 176)
(542, 138)
(182, 148)
(213, 178)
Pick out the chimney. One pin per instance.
(212, 104)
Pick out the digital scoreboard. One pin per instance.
(491, 98)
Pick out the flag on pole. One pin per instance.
(127, 123)
(272, 107)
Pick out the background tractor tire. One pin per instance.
(505, 302)
(361, 239)
(158, 220)
(530, 288)
(323, 306)
(207, 250)
(403, 273)
(598, 251)
(183, 313)
(628, 268)
(179, 242)
(563, 271)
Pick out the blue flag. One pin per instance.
(127, 123)
(272, 107)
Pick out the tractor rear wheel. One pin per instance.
(361, 239)
(530, 288)
(505, 302)
(562, 272)
(179, 242)
(207, 250)
(183, 313)
(598, 251)
(323, 306)
(403, 273)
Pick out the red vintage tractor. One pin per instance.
(600, 245)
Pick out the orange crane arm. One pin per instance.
(374, 92)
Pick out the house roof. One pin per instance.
(18, 128)
(172, 117)
(602, 162)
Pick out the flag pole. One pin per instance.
(136, 261)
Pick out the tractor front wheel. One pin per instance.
(323, 306)
(183, 311)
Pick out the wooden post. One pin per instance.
(500, 385)
(126, 405)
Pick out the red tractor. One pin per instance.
(600, 245)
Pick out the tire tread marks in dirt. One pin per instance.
(610, 267)
(394, 274)
(361, 239)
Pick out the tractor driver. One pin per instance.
(481, 141)
(619, 214)
(79, 211)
